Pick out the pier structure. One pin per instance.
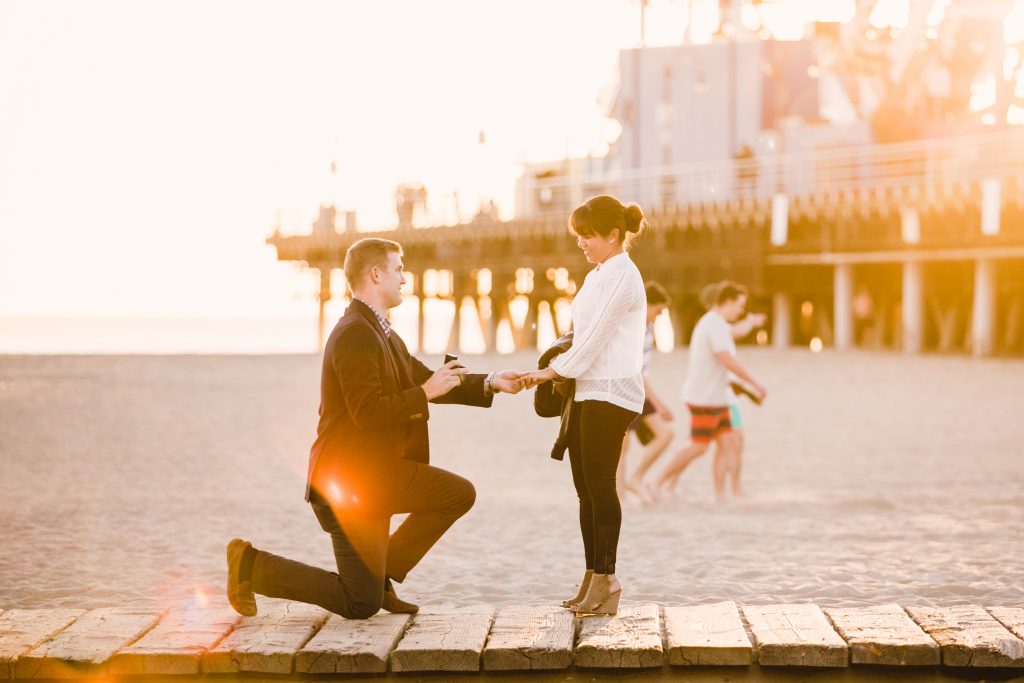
(915, 246)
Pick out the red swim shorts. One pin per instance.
(707, 422)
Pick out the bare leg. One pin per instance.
(737, 464)
(726, 453)
(663, 436)
(667, 481)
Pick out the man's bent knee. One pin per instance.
(466, 499)
(363, 607)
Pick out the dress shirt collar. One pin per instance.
(384, 324)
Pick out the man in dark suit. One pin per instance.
(370, 458)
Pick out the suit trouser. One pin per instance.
(363, 550)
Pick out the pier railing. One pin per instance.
(924, 169)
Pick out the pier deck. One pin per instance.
(290, 639)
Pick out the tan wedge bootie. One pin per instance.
(602, 596)
(584, 585)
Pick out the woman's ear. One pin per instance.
(613, 236)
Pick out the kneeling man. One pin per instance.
(370, 458)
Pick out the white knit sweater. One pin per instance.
(609, 316)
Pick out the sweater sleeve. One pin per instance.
(587, 344)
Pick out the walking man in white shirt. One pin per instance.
(706, 389)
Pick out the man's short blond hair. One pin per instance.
(365, 254)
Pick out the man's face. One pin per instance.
(732, 310)
(389, 279)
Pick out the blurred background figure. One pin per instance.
(731, 460)
(706, 390)
(651, 427)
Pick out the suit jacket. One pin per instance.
(555, 399)
(373, 411)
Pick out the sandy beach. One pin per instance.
(872, 477)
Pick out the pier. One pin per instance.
(913, 246)
(292, 639)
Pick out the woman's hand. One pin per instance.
(532, 379)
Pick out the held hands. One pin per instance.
(532, 379)
(509, 381)
(444, 380)
(506, 381)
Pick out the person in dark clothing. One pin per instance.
(370, 459)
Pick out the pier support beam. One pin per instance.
(983, 319)
(782, 320)
(843, 306)
(421, 310)
(913, 307)
(458, 293)
(500, 284)
(322, 298)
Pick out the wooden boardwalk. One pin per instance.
(287, 639)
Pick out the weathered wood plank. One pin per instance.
(794, 635)
(352, 645)
(176, 644)
(1010, 617)
(969, 636)
(884, 634)
(82, 648)
(629, 640)
(707, 635)
(23, 629)
(534, 637)
(444, 639)
(267, 642)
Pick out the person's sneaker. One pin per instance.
(394, 604)
(240, 593)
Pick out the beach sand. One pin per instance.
(872, 477)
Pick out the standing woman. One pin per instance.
(606, 360)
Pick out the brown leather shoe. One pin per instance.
(240, 593)
(392, 603)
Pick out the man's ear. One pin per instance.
(373, 274)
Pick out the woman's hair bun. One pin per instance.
(634, 217)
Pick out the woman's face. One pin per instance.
(596, 248)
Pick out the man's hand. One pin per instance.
(509, 381)
(665, 414)
(760, 389)
(757, 320)
(444, 380)
(532, 379)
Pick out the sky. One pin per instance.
(147, 149)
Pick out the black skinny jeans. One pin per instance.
(596, 430)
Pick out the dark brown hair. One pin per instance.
(727, 290)
(602, 214)
(656, 294)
